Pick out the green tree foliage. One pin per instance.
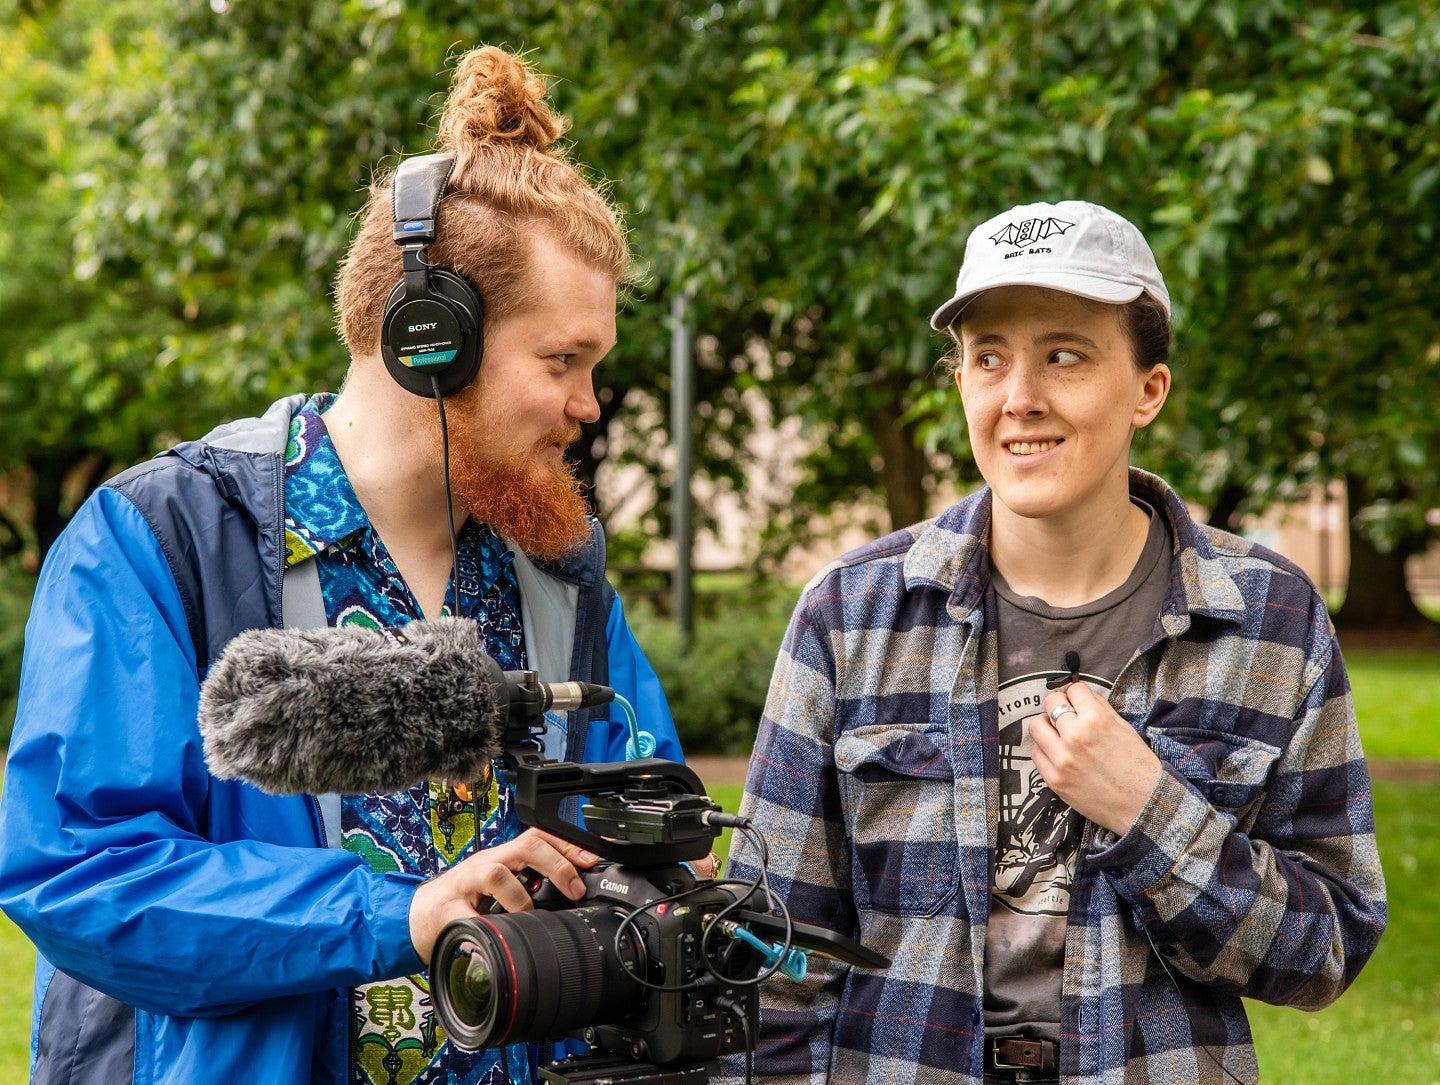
(1282, 156)
(717, 683)
(806, 173)
(74, 356)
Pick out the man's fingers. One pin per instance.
(556, 859)
(498, 882)
(573, 852)
(1056, 701)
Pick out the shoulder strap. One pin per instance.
(302, 606)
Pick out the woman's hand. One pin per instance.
(1092, 758)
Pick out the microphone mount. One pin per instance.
(647, 812)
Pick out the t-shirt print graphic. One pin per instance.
(1038, 835)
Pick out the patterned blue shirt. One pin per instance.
(395, 1039)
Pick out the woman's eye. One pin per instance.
(987, 359)
(1065, 357)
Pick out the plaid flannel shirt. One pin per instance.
(1252, 870)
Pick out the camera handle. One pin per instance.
(602, 1068)
(647, 812)
(807, 936)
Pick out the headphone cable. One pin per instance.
(449, 496)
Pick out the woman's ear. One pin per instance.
(1153, 392)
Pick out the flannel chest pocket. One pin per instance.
(1231, 771)
(898, 792)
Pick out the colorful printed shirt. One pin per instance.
(396, 1039)
(1252, 871)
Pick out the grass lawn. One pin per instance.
(17, 972)
(1385, 1029)
(1397, 701)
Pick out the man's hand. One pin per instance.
(467, 888)
(708, 867)
(1092, 758)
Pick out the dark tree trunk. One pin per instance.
(1225, 513)
(59, 483)
(1376, 596)
(47, 489)
(903, 467)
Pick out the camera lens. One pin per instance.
(471, 985)
(533, 976)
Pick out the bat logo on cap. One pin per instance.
(1036, 229)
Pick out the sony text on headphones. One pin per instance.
(433, 325)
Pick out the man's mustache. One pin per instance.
(564, 436)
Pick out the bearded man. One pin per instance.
(195, 929)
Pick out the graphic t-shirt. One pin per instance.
(1039, 836)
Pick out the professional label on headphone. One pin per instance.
(434, 357)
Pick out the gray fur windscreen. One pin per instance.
(351, 709)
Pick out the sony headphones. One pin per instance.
(433, 329)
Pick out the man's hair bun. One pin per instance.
(512, 180)
(495, 97)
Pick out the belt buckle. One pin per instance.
(1031, 1044)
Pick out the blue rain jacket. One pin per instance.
(192, 929)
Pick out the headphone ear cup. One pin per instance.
(437, 337)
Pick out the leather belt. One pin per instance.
(1022, 1053)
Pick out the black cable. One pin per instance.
(737, 1011)
(760, 882)
(773, 905)
(1180, 991)
(449, 496)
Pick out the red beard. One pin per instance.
(530, 497)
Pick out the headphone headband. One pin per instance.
(415, 196)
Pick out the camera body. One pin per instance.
(694, 1014)
(629, 968)
(633, 967)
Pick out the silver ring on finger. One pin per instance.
(1060, 710)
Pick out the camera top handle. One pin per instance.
(647, 813)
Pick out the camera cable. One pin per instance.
(759, 883)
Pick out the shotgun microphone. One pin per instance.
(354, 709)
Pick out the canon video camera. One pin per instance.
(655, 968)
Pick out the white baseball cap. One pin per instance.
(1075, 247)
